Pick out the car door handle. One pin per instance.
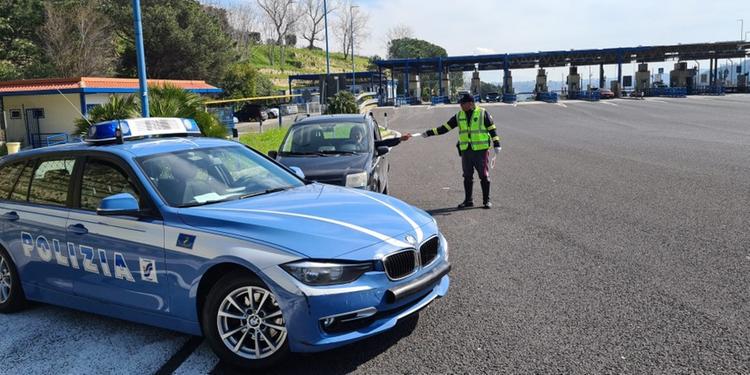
(77, 229)
(10, 216)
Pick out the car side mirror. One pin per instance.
(273, 154)
(298, 172)
(382, 150)
(123, 204)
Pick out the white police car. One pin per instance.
(209, 237)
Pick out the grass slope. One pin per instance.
(300, 61)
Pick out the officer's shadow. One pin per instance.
(342, 360)
(449, 210)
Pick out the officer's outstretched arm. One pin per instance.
(440, 130)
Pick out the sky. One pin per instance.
(485, 27)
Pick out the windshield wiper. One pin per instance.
(338, 152)
(303, 153)
(196, 204)
(267, 191)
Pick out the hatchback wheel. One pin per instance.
(11, 295)
(243, 322)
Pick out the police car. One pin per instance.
(149, 222)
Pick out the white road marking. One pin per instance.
(201, 361)
(562, 105)
(608, 103)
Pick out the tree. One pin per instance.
(290, 40)
(21, 55)
(243, 80)
(351, 25)
(243, 20)
(313, 16)
(183, 40)
(117, 108)
(400, 31)
(282, 15)
(78, 39)
(414, 48)
(342, 102)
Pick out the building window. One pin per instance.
(15, 114)
(37, 112)
(89, 107)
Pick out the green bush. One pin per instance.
(342, 102)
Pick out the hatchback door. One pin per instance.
(35, 212)
(122, 256)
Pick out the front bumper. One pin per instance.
(371, 305)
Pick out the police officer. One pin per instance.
(477, 132)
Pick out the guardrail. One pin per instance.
(592, 96)
(440, 100)
(709, 90)
(547, 97)
(671, 92)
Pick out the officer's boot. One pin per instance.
(468, 199)
(486, 194)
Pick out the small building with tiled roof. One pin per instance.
(34, 110)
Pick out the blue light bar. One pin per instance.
(141, 127)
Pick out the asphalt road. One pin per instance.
(618, 243)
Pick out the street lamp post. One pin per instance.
(140, 58)
(351, 26)
(328, 57)
(742, 27)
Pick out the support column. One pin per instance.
(380, 84)
(574, 82)
(509, 95)
(406, 82)
(642, 78)
(602, 84)
(440, 77)
(82, 98)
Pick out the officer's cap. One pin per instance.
(466, 98)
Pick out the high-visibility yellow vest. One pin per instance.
(472, 131)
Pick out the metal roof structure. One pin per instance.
(542, 59)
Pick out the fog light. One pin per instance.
(328, 322)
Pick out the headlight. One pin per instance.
(356, 180)
(325, 273)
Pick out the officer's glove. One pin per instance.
(494, 157)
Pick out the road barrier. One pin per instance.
(671, 92)
(709, 90)
(592, 96)
(435, 100)
(547, 97)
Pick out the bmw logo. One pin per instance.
(410, 239)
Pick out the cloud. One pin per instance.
(485, 51)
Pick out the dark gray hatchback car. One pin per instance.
(345, 150)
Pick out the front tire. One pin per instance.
(243, 322)
(11, 295)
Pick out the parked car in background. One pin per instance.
(252, 112)
(606, 94)
(337, 149)
(272, 112)
(492, 97)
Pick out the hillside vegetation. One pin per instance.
(300, 61)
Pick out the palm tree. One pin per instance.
(118, 107)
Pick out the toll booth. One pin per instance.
(642, 78)
(681, 76)
(574, 80)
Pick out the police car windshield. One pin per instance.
(327, 138)
(203, 176)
